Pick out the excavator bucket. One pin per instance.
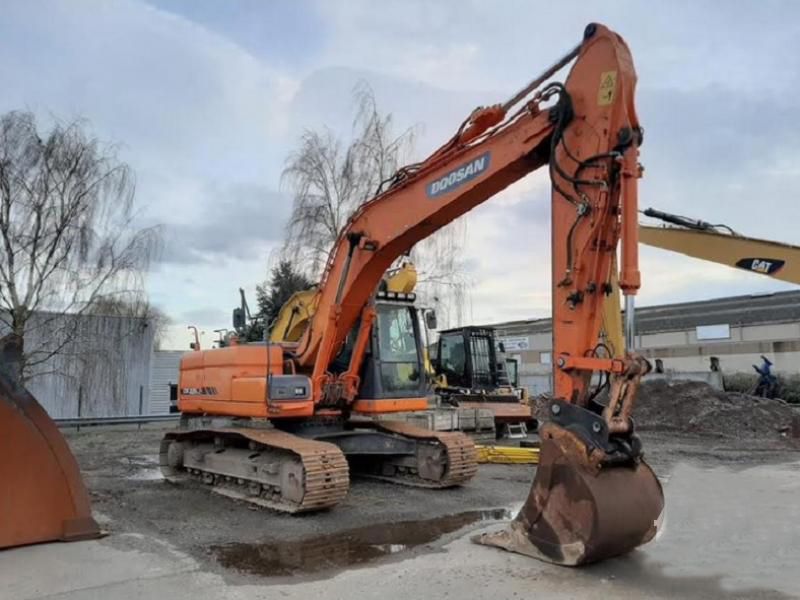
(575, 516)
(42, 497)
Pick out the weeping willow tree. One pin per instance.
(330, 177)
(68, 240)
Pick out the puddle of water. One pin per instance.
(141, 460)
(344, 549)
(146, 475)
(147, 467)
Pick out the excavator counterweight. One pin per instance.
(43, 497)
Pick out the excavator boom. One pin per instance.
(764, 257)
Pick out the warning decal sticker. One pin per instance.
(608, 83)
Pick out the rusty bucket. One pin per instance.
(42, 496)
(576, 515)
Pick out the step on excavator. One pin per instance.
(284, 424)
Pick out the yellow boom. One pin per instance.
(295, 314)
(714, 243)
(765, 257)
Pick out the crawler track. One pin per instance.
(451, 458)
(265, 467)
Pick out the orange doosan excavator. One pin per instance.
(284, 424)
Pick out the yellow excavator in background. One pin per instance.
(722, 245)
(297, 311)
(471, 371)
(715, 243)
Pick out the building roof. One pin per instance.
(778, 307)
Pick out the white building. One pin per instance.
(684, 337)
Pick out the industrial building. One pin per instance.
(736, 331)
(126, 376)
(89, 365)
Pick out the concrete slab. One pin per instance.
(728, 534)
(50, 570)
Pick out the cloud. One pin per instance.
(199, 118)
(205, 315)
(207, 102)
(233, 221)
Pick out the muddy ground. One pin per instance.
(376, 522)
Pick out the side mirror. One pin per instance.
(501, 347)
(238, 318)
(192, 346)
(430, 319)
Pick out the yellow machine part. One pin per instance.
(765, 257)
(402, 281)
(298, 310)
(611, 333)
(294, 316)
(508, 455)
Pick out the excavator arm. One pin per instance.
(593, 495)
(715, 243)
(721, 245)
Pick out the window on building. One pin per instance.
(545, 358)
(713, 332)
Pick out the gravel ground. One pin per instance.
(120, 468)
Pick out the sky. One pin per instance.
(206, 99)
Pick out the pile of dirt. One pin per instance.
(695, 407)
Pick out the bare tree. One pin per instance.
(67, 235)
(443, 281)
(137, 307)
(330, 178)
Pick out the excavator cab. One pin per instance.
(468, 358)
(471, 358)
(473, 372)
(393, 365)
(511, 366)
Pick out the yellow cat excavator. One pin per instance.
(722, 245)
